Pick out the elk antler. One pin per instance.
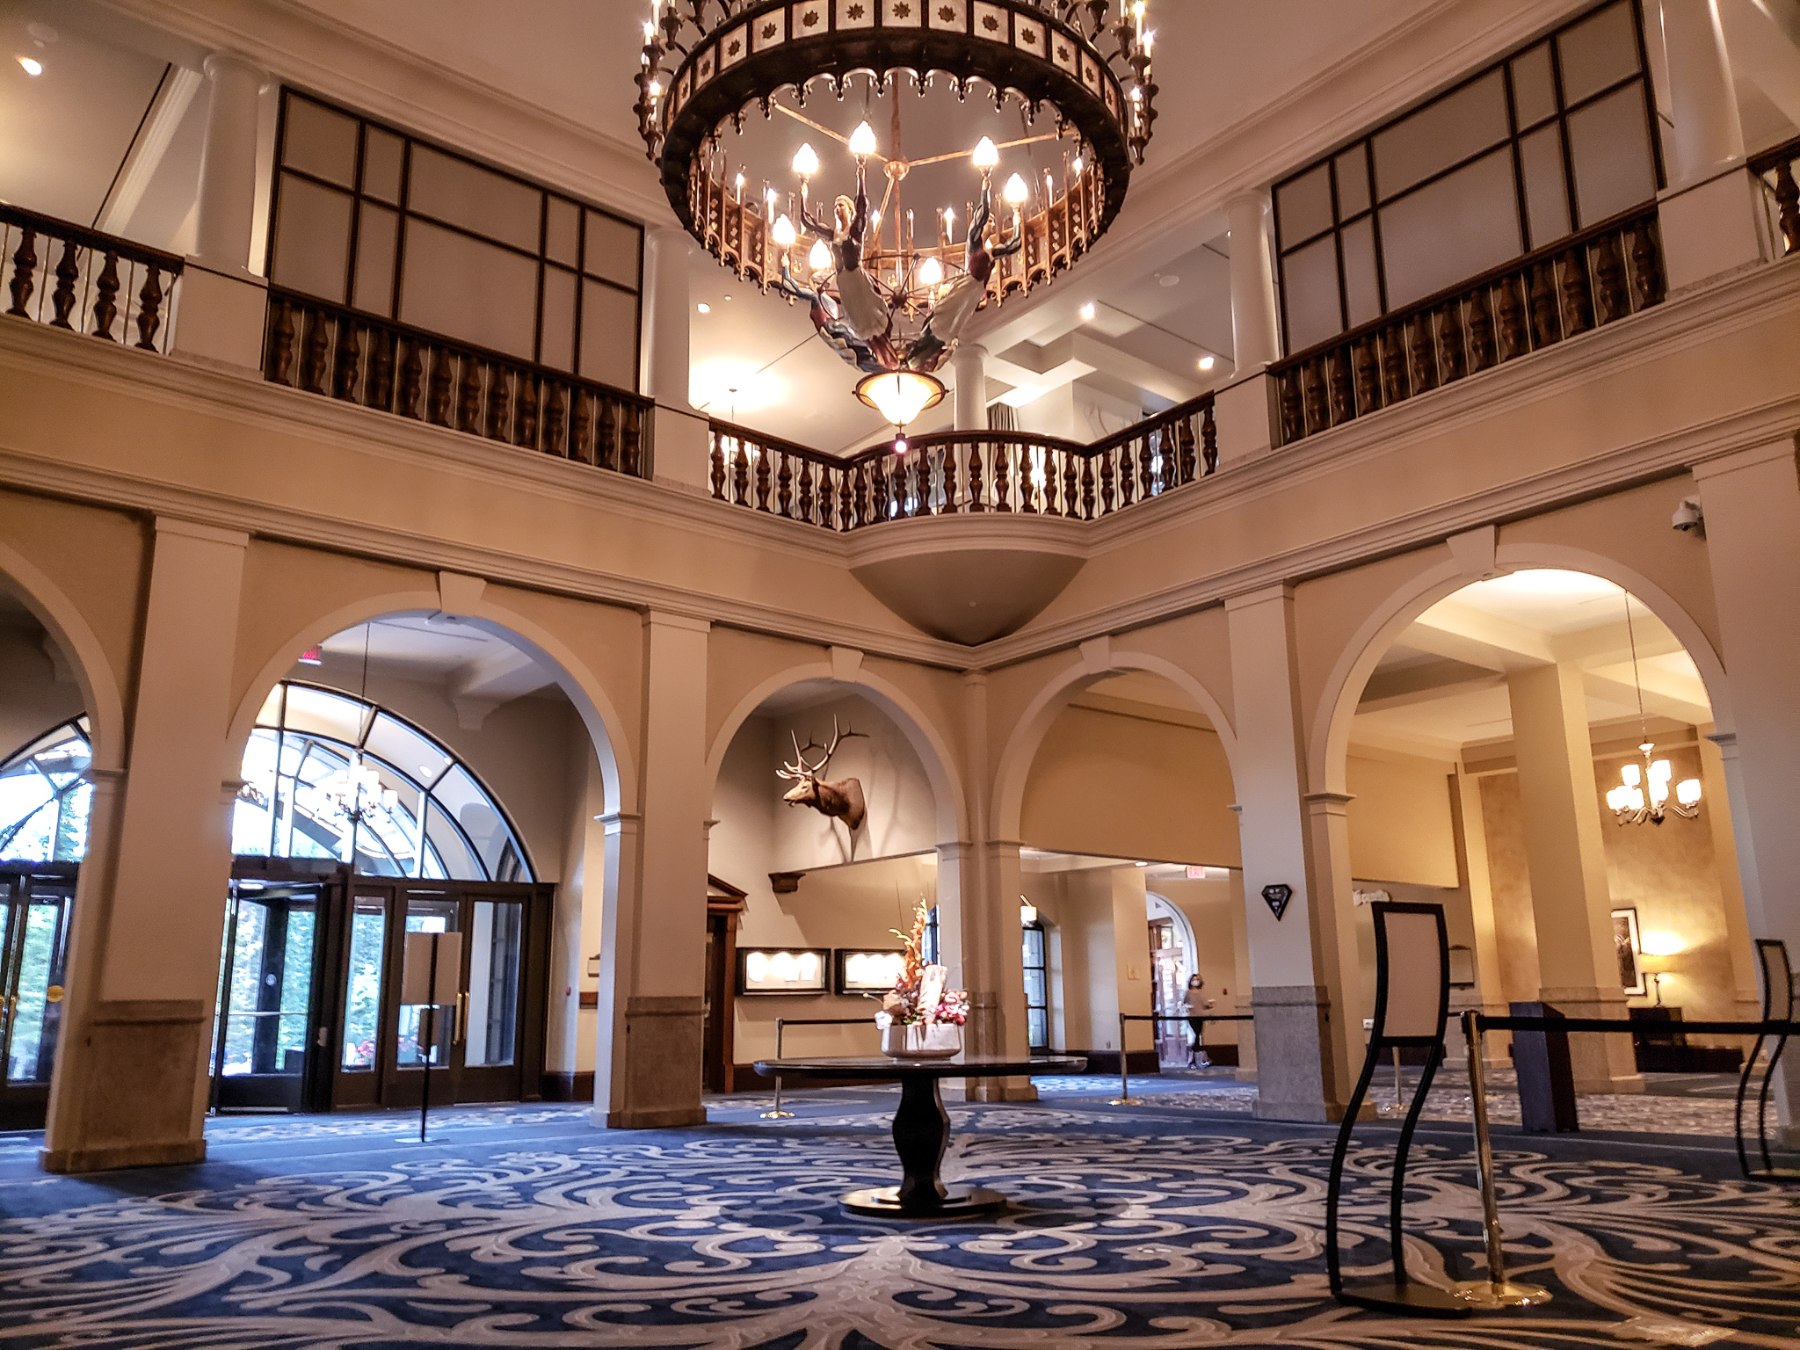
(800, 769)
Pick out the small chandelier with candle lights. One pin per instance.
(726, 86)
(1644, 792)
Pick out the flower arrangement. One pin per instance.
(919, 996)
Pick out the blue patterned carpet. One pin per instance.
(1156, 1227)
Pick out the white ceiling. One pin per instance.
(477, 669)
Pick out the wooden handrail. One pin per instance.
(1781, 161)
(1524, 262)
(1785, 153)
(764, 439)
(170, 263)
(936, 439)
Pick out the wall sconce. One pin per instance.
(1027, 913)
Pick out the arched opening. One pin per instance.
(1123, 787)
(417, 779)
(1495, 722)
(812, 877)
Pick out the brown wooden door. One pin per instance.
(721, 957)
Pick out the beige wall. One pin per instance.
(34, 693)
(1401, 828)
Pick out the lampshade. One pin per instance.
(900, 395)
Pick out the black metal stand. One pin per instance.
(1778, 1005)
(1397, 1293)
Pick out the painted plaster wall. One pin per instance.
(34, 693)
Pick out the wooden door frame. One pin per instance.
(724, 911)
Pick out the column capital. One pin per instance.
(1262, 595)
(193, 529)
(223, 64)
(1327, 803)
(687, 623)
(621, 822)
(1246, 197)
(1756, 457)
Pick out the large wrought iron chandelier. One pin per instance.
(892, 273)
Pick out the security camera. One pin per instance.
(1687, 516)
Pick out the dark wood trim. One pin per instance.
(566, 1087)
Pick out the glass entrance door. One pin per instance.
(267, 1009)
(34, 939)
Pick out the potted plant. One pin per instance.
(920, 1018)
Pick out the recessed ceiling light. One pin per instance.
(1167, 279)
(1088, 311)
(704, 308)
(1207, 362)
(31, 66)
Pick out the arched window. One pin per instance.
(328, 775)
(45, 795)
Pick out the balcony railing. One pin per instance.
(1602, 274)
(375, 363)
(67, 276)
(965, 473)
(1777, 167)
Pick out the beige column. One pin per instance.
(969, 366)
(1304, 994)
(1131, 960)
(1566, 862)
(653, 954)
(1254, 335)
(226, 205)
(679, 437)
(1489, 993)
(979, 928)
(580, 904)
(1752, 504)
(1705, 134)
(1716, 808)
(132, 1073)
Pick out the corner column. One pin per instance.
(131, 1077)
(679, 434)
(1570, 902)
(969, 365)
(1305, 987)
(1244, 409)
(1752, 504)
(648, 1063)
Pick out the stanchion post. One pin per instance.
(1124, 1098)
(775, 1112)
(1496, 1291)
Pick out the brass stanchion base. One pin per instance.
(776, 1115)
(1503, 1294)
(1125, 1101)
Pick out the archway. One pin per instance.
(1479, 736)
(805, 903)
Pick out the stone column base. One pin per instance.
(661, 1065)
(1293, 1074)
(135, 1100)
(1601, 1063)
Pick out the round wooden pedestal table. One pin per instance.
(921, 1126)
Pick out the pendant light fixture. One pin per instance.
(1644, 792)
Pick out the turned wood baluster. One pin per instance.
(1312, 383)
(951, 488)
(631, 442)
(1071, 501)
(468, 396)
(1393, 367)
(1481, 331)
(556, 422)
(886, 493)
(525, 425)
(24, 278)
(583, 448)
(412, 379)
(1787, 205)
(846, 505)
(1450, 342)
(1513, 339)
(1577, 306)
(1421, 362)
(921, 483)
(1108, 472)
(1367, 371)
(62, 299)
(606, 449)
(718, 467)
(1003, 478)
(312, 359)
(437, 398)
(379, 392)
(349, 356)
(740, 474)
(1646, 270)
(281, 331)
(106, 308)
(1148, 472)
(1293, 411)
(1052, 481)
(860, 507)
(827, 497)
(1127, 475)
(149, 317)
(762, 478)
(977, 479)
(1610, 299)
(1087, 487)
(1337, 379)
(1209, 440)
(784, 488)
(1544, 326)
(499, 403)
(806, 490)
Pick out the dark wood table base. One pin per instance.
(883, 1202)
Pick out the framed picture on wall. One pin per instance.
(1625, 943)
(867, 970)
(783, 970)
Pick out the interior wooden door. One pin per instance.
(35, 909)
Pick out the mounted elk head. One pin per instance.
(842, 800)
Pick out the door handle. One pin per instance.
(462, 1016)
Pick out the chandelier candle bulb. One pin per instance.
(862, 145)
